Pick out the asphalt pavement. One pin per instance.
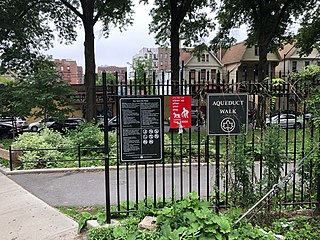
(87, 188)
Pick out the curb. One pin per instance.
(7, 172)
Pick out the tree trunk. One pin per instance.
(262, 68)
(90, 66)
(175, 54)
(263, 62)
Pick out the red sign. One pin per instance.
(180, 111)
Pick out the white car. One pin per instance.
(34, 127)
(19, 121)
(286, 120)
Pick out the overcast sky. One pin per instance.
(119, 47)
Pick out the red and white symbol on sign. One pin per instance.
(180, 111)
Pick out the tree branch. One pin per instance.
(72, 8)
(100, 11)
(185, 6)
(279, 19)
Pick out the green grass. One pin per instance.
(6, 143)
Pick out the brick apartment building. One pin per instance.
(70, 71)
(113, 70)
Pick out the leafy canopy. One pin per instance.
(308, 36)
(41, 94)
(192, 19)
(25, 29)
(267, 21)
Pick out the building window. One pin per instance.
(166, 55)
(256, 50)
(192, 75)
(154, 56)
(306, 63)
(213, 74)
(68, 68)
(244, 71)
(203, 74)
(294, 66)
(161, 63)
(161, 55)
(61, 68)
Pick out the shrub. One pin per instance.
(46, 139)
(86, 135)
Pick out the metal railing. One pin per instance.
(211, 166)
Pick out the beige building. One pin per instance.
(291, 61)
(241, 62)
(201, 70)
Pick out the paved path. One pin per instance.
(88, 188)
(25, 217)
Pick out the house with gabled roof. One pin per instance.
(200, 69)
(292, 61)
(240, 63)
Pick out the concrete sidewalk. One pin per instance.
(25, 217)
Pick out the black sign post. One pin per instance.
(227, 114)
(141, 129)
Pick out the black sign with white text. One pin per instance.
(227, 113)
(141, 129)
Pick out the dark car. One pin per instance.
(113, 123)
(197, 119)
(69, 123)
(8, 131)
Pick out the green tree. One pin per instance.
(111, 79)
(143, 74)
(50, 93)
(308, 36)
(177, 20)
(108, 12)
(24, 31)
(142, 69)
(267, 22)
(42, 94)
(66, 16)
(309, 79)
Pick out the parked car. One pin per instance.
(286, 120)
(8, 131)
(36, 126)
(69, 123)
(113, 123)
(20, 122)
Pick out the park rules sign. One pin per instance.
(141, 129)
(227, 114)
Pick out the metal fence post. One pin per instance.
(79, 156)
(10, 158)
(106, 147)
(217, 173)
(318, 179)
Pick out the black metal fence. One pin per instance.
(226, 170)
